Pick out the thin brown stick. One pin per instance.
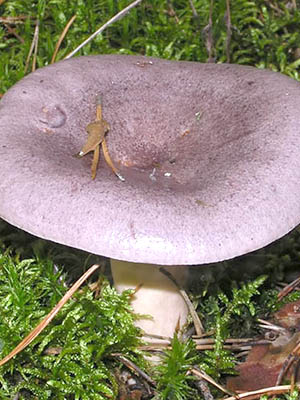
(172, 12)
(229, 341)
(203, 388)
(228, 24)
(42, 325)
(201, 347)
(196, 320)
(206, 334)
(294, 374)
(36, 34)
(152, 336)
(29, 55)
(207, 31)
(129, 364)
(256, 394)
(14, 20)
(115, 18)
(155, 347)
(32, 47)
(200, 374)
(13, 32)
(194, 11)
(206, 344)
(288, 288)
(288, 362)
(62, 36)
(269, 325)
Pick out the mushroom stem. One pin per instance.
(156, 296)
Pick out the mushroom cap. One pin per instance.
(210, 155)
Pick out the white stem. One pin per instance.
(158, 296)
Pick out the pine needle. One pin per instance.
(256, 394)
(115, 18)
(62, 36)
(33, 48)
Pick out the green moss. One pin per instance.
(72, 357)
(172, 375)
(263, 34)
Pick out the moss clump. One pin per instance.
(262, 33)
(72, 358)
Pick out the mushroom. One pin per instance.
(209, 153)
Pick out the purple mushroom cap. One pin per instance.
(209, 153)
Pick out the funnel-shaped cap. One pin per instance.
(210, 155)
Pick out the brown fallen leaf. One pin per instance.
(265, 362)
